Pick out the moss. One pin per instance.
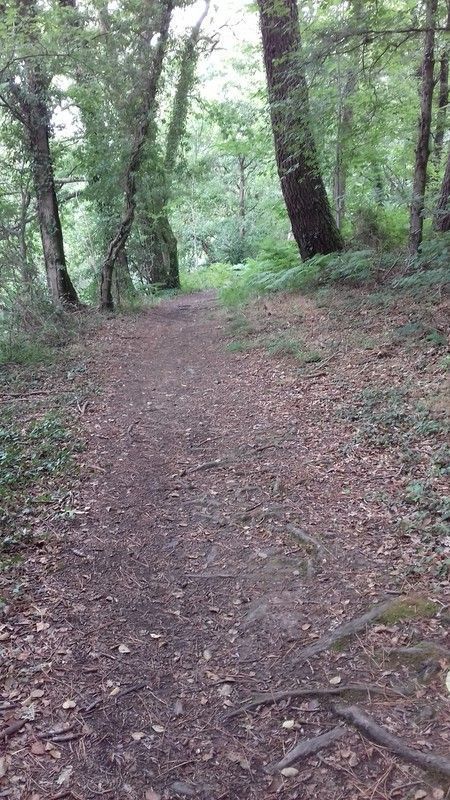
(410, 608)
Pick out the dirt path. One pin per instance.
(183, 588)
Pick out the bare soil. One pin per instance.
(186, 583)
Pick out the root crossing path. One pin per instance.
(222, 530)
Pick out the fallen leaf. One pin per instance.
(158, 728)
(38, 748)
(64, 775)
(289, 772)
(288, 724)
(156, 636)
(138, 735)
(438, 794)
(238, 758)
(447, 681)
(123, 649)
(69, 704)
(336, 680)
(306, 626)
(115, 691)
(225, 690)
(151, 795)
(36, 693)
(3, 766)
(207, 655)
(353, 760)
(420, 794)
(55, 754)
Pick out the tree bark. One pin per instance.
(123, 282)
(424, 130)
(146, 119)
(35, 113)
(441, 222)
(164, 268)
(441, 116)
(242, 196)
(309, 210)
(344, 130)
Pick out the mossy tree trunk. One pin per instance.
(144, 125)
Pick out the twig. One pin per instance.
(91, 706)
(131, 689)
(206, 465)
(313, 691)
(10, 730)
(66, 737)
(376, 733)
(63, 729)
(307, 748)
(209, 576)
(347, 629)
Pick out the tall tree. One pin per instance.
(164, 268)
(144, 123)
(29, 91)
(309, 210)
(424, 129)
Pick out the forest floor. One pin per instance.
(249, 482)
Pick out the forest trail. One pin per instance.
(187, 585)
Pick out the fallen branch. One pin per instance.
(10, 730)
(317, 691)
(307, 748)
(347, 629)
(376, 733)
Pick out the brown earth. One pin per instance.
(185, 586)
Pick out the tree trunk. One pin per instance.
(441, 222)
(343, 136)
(309, 210)
(37, 123)
(164, 268)
(442, 108)
(60, 286)
(145, 120)
(242, 197)
(441, 116)
(123, 282)
(424, 130)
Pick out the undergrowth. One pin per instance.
(33, 459)
(278, 268)
(388, 418)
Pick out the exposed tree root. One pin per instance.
(420, 651)
(307, 748)
(318, 691)
(347, 629)
(305, 538)
(376, 733)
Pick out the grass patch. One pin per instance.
(410, 608)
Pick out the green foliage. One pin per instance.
(378, 227)
(213, 276)
(430, 268)
(31, 458)
(387, 417)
